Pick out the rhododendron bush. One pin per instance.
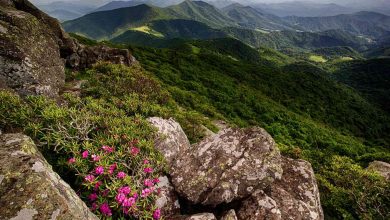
(101, 142)
(121, 180)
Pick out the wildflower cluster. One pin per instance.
(119, 182)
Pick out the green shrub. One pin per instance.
(351, 192)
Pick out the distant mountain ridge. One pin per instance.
(66, 10)
(303, 9)
(361, 23)
(200, 20)
(108, 24)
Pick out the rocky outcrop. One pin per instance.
(294, 196)
(81, 57)
(380, 167)
(227, 166)
(30, 60)
(167, 200)
(30, 189)
(34, 49)
(171, 139)
(242, 168)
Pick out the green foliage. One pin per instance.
(337, 52)
(308, 114)
(363, 196)
(108, 122)
(370, 77)
(297, 40)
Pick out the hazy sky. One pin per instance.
(342, 2)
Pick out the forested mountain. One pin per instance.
(247, 16)
(296, 39)
(255, 27)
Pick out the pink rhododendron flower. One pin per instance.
(121, 175)
(105, 209)
(112, 168)
(72, 160)
(108, 149)
(134, 151)
(93, 197)
(99, 170)
(157, 214)
(128, 202)
(95, 157)
(120, 197)
(146, 192)
(125, 190)
(93, 206)
(146, 161)
(148, 170)
(97, 185)
(105, 192)
(156, 180)
(85, 154)
(135, 196)
(148, 183)
(90, 178)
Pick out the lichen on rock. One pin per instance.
(30, 189)
(227, 166)
(294, 196)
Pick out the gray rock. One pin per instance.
(380, 167)
(167, 200)
(227, 166)
(294, 196)
(200, 216)
(34, 49)
(230, 215)
(171, 139)
(83, 57)
(30, 189)
(30, 62)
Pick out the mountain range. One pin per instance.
(145, 24)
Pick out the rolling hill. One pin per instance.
(202, 12)
(108, 24)
(370, 77)
(166, 30)
(295, 39)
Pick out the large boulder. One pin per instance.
(30, 60)
(380, 167)
(294, 196)
(171, 139)
(228, 166)
(30, 189)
